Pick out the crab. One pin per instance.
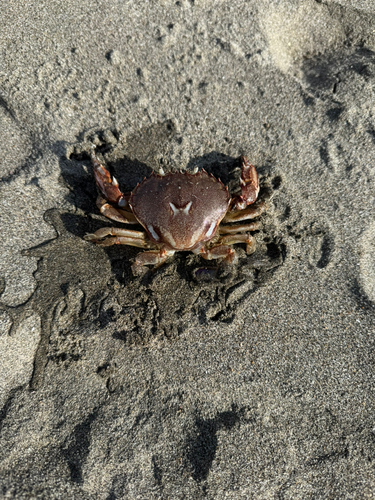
(179, 211)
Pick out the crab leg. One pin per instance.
(119, 236)
(122, 240)
(151, 258)
(239, 228)
(231, 239)
(218, 251)
(113, 213)
(249, 186)
(115, 231)
(248, 213)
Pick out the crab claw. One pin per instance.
(107, 185)
(249, 186)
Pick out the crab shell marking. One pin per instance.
(180, 210)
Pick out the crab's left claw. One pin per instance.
(107, 185)
(249, 186)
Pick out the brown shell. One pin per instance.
(180, 209)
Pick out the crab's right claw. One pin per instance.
(249, 186)
(107, 185)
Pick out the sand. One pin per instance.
(251, 381)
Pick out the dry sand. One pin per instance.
(257, 383)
